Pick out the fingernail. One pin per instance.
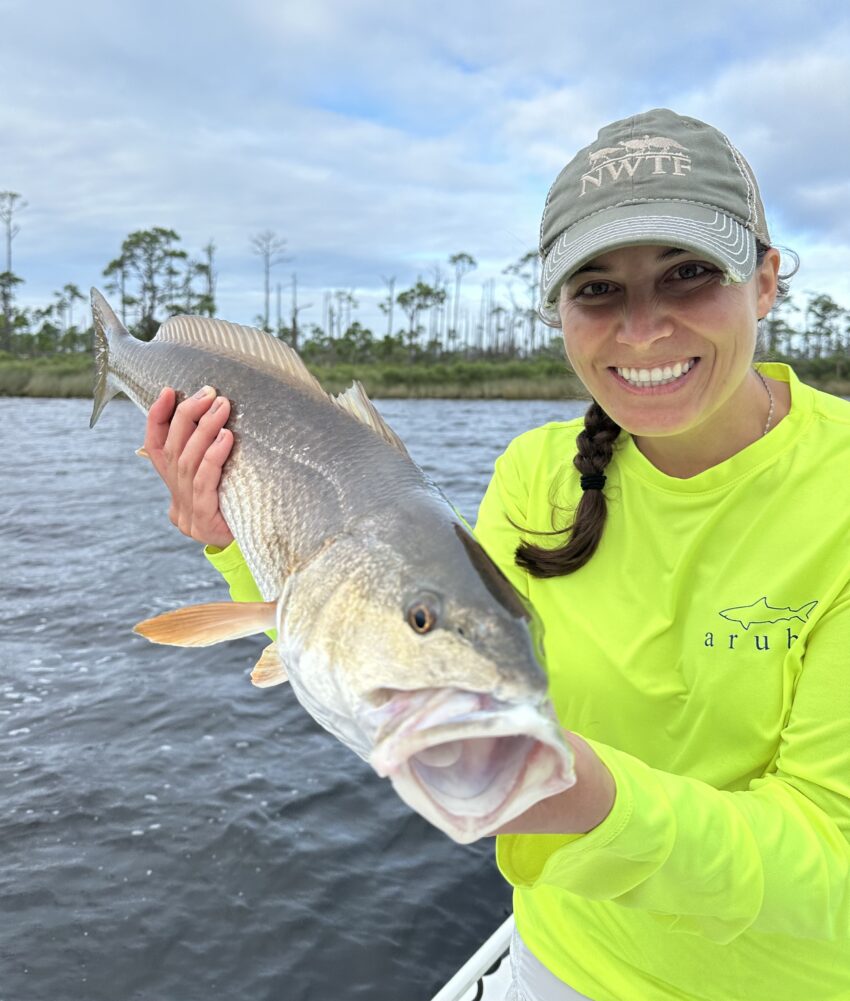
(220, 435)
(203, 392)
(217, 404)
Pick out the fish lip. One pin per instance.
(411, 722)
(439, 716)
(535, 774)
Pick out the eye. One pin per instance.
(421, 617)
(691, 270)
(593, 290)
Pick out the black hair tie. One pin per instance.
(593, 481)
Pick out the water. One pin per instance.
(168, 831)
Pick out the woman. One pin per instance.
(687, 546)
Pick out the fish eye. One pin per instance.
(421, 617)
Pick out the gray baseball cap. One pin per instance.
(656, 178)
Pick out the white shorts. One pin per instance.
(531, 981)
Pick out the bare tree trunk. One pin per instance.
(211, 277)
(294, 324)
(269, 247)
(278, 316)
(122, 285)
(10, 203)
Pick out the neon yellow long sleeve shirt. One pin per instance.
(704, 651)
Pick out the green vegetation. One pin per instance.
(57, 376)
(517, 380)
(546, 379)
(441, 350)
(508, 380)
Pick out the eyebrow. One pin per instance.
(670, 252)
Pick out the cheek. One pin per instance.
(734, 334)
(581, 336)
(575, 356)
(732, 308)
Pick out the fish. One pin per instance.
(760, 613)
(394, 628)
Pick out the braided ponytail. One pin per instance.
(595, 448)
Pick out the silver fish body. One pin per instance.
(396, 631)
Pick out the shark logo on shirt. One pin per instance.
(760, 612)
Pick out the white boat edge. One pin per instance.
(474, 969)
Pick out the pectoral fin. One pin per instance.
(269, 669)
(204, 625)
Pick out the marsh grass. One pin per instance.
(487, 380)
(56, 377)
(540, 379)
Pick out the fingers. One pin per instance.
(188, 447)
(183, 423)
(159, 420)
(197, 503)
(188, 441)
(207, 520)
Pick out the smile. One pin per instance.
(659, 376)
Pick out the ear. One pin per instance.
(766, 279)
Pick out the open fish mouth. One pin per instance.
(466, 761)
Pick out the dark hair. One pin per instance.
(783, 281)
(595, 448)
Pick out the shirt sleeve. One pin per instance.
(231, 564)
(774, 857)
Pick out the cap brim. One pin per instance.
(719, 238)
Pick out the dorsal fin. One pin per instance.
(355, 402)
(267, 353)
(254, 347)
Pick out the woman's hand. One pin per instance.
(188, 447)
(579, 809)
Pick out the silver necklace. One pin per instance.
(770, 397)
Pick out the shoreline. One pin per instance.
(73, 379)
(467, 380)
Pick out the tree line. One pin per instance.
(153, 276)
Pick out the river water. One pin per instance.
(168, 831)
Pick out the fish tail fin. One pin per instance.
(107, 327)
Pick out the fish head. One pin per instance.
(423, 658)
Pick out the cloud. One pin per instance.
(785, 113)
(379, 139)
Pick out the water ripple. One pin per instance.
(168, 830)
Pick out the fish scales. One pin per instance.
(397, 632)
(317, 451)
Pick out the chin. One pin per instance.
(641, 426)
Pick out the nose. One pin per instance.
(643, 322)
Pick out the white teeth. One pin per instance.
(656, 376)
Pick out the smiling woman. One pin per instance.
(662, 337)
(686, 548)
(720, 866)
(666, 348)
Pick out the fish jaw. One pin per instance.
(467, 762)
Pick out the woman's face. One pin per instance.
(661, 344)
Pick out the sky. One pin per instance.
(379, 138)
